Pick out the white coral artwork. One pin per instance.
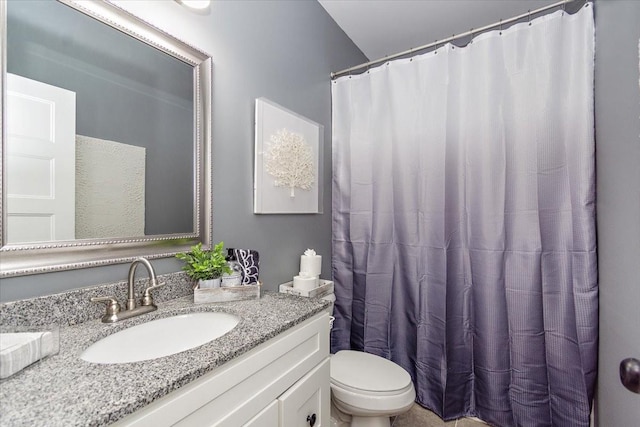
(289, 159)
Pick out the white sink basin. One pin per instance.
(159, 338)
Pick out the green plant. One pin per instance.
(203, 264)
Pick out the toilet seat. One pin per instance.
(366, 384)
(346, 388)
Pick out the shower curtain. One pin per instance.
(464, 244)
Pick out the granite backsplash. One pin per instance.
(74, 307)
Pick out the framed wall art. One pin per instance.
(288, 161)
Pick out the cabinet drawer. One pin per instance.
(267, 417)
(307, 400)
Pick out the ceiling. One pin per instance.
(384, 27)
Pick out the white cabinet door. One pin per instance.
(267, 417)
(307, 402)
(41, 131)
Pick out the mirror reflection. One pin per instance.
(96, 122)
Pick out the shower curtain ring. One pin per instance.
(529, 17)
(501, 27)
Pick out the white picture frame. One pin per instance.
(288, 161)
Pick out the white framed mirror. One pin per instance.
(106, 135)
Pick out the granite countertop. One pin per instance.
(63, 390)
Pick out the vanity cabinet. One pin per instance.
(282, 382)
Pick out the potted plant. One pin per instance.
(205, 267)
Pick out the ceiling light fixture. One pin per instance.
(195, 4)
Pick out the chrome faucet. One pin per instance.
(114, 314)
(146, 299)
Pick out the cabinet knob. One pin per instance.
(311, 419)
(630, 374)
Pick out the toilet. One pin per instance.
(367, 390)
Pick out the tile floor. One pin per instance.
(417, 416)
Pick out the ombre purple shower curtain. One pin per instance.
(464, 244)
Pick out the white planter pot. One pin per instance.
(206, 284)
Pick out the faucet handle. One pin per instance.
(113, 308)
(147, 299)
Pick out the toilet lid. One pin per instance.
(365, 371)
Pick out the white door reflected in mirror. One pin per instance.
(40, 161)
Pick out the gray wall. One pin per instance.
(121, 86)
(281, 50)
(618, 187)
(285, 51)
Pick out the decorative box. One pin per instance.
(325, 287)
(222, 294)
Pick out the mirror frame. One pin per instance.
(45, 257)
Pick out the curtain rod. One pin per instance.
(454, 37)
